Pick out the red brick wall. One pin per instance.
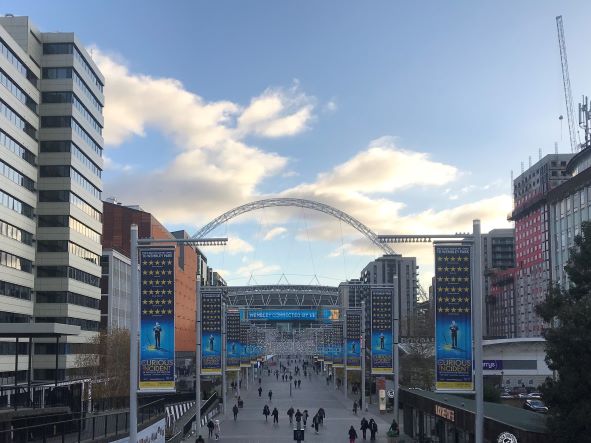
(117, 221)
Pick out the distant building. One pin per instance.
(115, 290)
(382, 271)
(531, 215)
(498, 254)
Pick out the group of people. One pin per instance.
(372, 427)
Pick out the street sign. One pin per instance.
(390, 393)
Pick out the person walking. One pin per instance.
(373, 429)
(275, 415)
(321, 415)
(305, 417)
(210, 426)
(300, 384)
(295, 384)
(270, 395)
(217, 430)
(266, 412)
(355, 407)
(290, 413)
(199, 439)
(298, 417)
(352, 434)
(316, 422)
(260, 391)
(364, 426)
(235, 411)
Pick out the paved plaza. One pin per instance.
(251, 426)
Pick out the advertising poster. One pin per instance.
(328, 346)
(211, 332)
(339, 361)
(453, 318)
(157, 320)
(381, 330)
(233, 341)
(244, 345)
(353, 335)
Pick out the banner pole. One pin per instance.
(363, 354)
(344, 351)
(477, 322)
(133, 336)
(224, 352)
(198, 358)
(396, 337)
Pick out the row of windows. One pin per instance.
(66, 297)
(10, 348)
(70, 97)
(16, 291)
(18, 234)
(65, 196)
(11, 317)
(63, 221)
(69, 272)
(70, 48)
(16, 205)
(17, 120)
(15, 262)
(21, 95)
(15, 176)
(17, 63)
(86, 137)
(64, 348)
(68, 171)
(68, 146)
(66, 246)
(16, 148)
(82, 84)
(86, 325)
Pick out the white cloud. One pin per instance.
(111, 165)
(330, 106)
(274, 232)
(235, 246)
(257, 267)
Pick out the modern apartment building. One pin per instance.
(531, 215)
(115, 290)
(51, 101)
(382, 271)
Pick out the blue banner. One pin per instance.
(233, 341)
(211, 332)
(338, 358)
(244, 344)
(382, 361)
(283, 315)
(353, 334)
(453, 318)
(157, 320)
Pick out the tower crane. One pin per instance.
(568, 97)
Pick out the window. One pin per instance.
(10, 317)
(15, 90)
(86, 66)
(17, 63)
(17, 120)
(54, 196)
(15, 262)
(55, 121)
(10, 231)
(56, 97)
(85, 184)
(54, 171)
(66, 297)
(52, 246)
(15, 291)
(84, 230)
(53, 221)
(57, 73)
(16, 148)
(82, 84)
(68, 171)
(87, 138)
(84, 253)
(69, 272)
(58, 48)
(16, 177)
(69, 97)
(68, 146)
(87, 325)
(16, 205)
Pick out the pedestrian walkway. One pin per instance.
(251, 426)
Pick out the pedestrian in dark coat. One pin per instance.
(352, 434)
(298, 416)
(235, 411)
(316, 422)
(275, 415)
(305, 417)
(364, 426)
(260, 391)
(210, 427)
(373, 429)
(299, 384)
(266, 412)
(199, 439)
(270, 395)
(290, 413)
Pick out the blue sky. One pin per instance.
(408, 115)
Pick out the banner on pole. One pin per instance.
(233, 340)
(244, 345)
(381, 300)
(157, 320)
(339, 361)
(211, 331)
(353, 335)
(453, 318)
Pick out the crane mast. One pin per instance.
(568, 97)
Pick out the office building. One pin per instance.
(569, 208)
(531, 215)
(51, 101)
(115, 290)
(382, 271)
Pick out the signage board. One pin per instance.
(353, 339)
(211, 331)
(381, 300)
(283, 314)
(233, 352)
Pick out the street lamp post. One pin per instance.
(133, 336)
(396, 337)
(198, 358)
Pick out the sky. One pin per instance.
(409, 116)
